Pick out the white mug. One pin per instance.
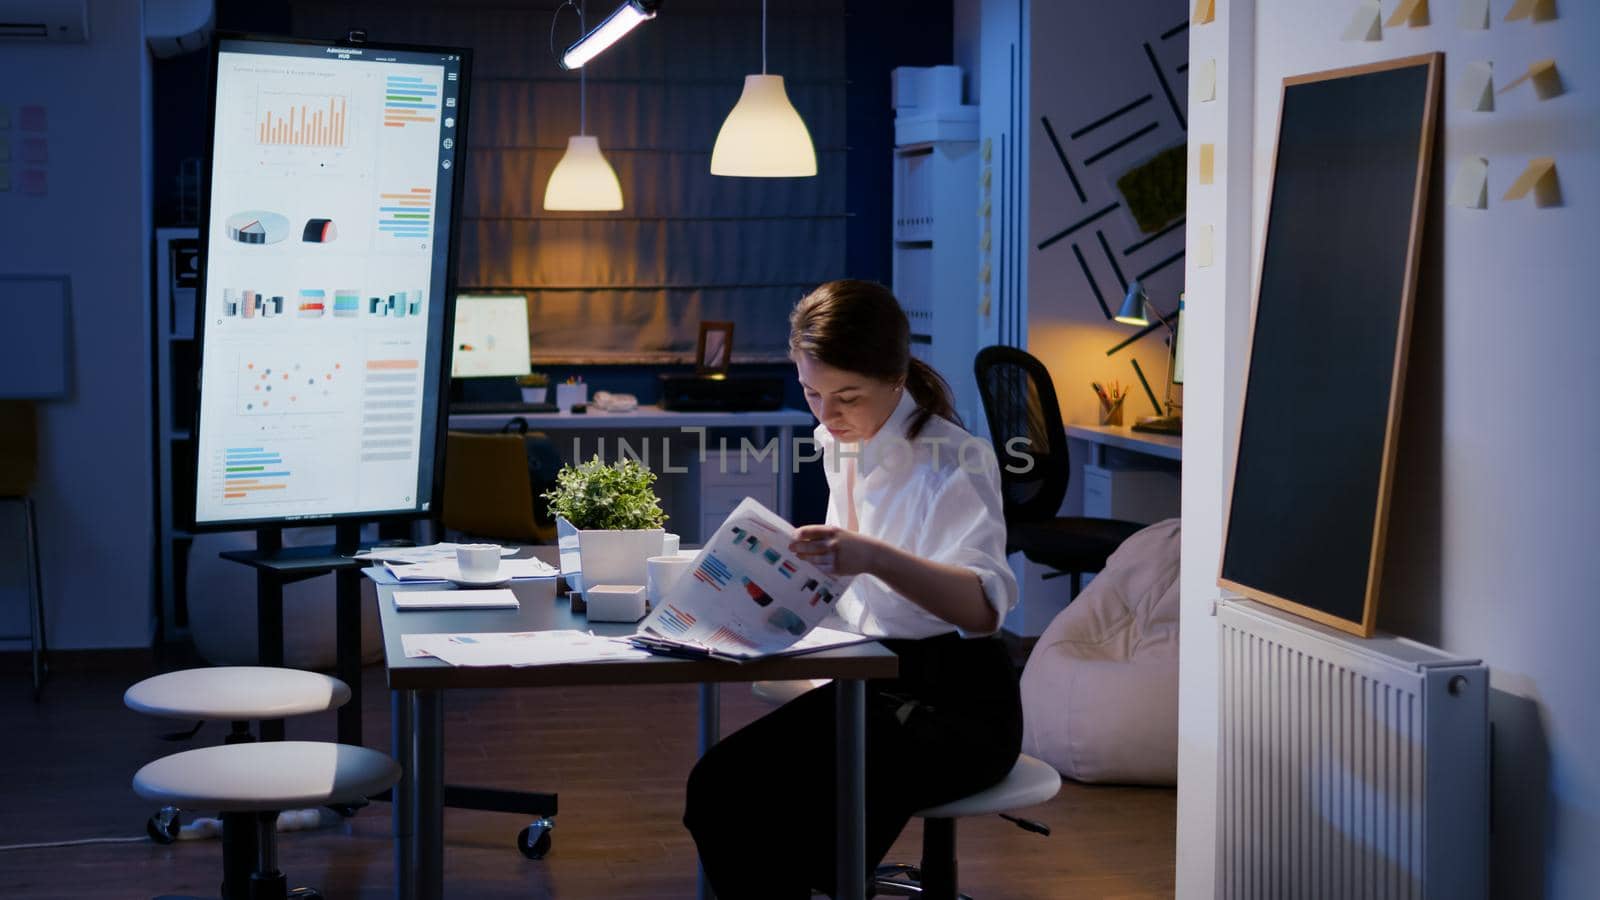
(478, 562)
(661, 573)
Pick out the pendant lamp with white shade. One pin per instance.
(764, 137)
(583, 180)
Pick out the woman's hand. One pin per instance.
(835, 550)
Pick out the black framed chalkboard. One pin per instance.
(1317, 434)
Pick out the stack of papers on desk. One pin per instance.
(518, 648)
(816, 640)
(429, 553)
(448, 570)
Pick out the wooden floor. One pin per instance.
(618, 757)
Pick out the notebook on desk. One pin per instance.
(501, 598)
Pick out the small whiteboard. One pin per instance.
(35, 336)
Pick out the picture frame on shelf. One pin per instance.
(715, 348)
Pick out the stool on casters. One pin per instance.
(238, 695)
(251, 783)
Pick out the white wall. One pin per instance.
(1491, 550)
(94, 495)
(1087, 62)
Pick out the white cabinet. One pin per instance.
(723, 486)
(935, 258)
(1133, 495)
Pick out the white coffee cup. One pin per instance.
(478, 562)
(661, 573)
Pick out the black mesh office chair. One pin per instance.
(1019, 401)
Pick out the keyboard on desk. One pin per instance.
(477, 407)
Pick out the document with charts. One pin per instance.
(746, 595)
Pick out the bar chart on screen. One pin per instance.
(253, 474)
(302, 120)
(410, 100)
(406, 215)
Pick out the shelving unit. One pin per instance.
(175, 356)
(935, 257)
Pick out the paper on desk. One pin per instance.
(429, 553)
(1470, 190)
(448, 570)
(1367, 24)
(518, 648)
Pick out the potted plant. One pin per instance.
(534, 386)
(611, 516)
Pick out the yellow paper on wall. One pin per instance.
(1537, 10)
(1411, 12)
(1540, 178)
(1208, 162)
(1473, 15)
(1205, 11)
(1546, 80)
(1202, 247)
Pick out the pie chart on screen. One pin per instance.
(258, 227)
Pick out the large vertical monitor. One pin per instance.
(325, 307)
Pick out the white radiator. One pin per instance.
(1348, 767)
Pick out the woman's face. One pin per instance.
(850, 405)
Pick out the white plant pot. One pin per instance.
(534, 394)
(606, 557)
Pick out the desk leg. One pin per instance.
(429, 808)
(403, 745)
(347, 641)
(786, 472)
(851, 760)
(269, 637)
(710, 733)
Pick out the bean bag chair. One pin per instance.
(1100, 691)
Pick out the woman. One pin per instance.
(914, 514)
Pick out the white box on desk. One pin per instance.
(615, 602)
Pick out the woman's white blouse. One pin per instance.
(936, 496)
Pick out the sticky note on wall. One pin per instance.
(1475, 90)
(1205, 11)
(1366, 24)
(1202, 247)
(1537, 10)
(1540, 178)
(1471, 187)
(1411, 12)
(1205, 80)
(1208, 163)
(1546, 80)
(1473, 15)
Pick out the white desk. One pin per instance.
(1121, 437)
(1129, 475)
(654, 418)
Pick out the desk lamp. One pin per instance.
(1135, 307)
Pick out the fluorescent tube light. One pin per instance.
(622, 20)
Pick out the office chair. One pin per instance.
(19, 465)
(492, 484)
(1019, 401)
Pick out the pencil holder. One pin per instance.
(1112, 416)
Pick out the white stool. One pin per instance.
(238, 695)
(251, 783)
(1029, 783)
